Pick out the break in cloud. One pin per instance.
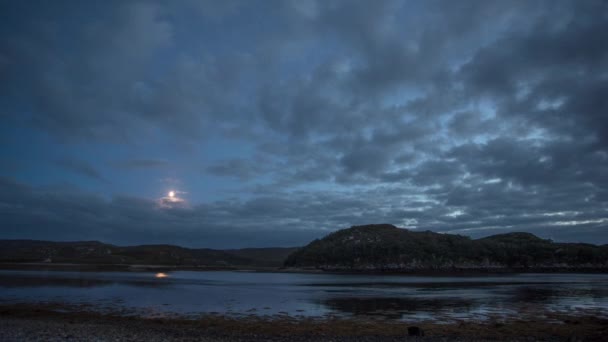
(285, 120)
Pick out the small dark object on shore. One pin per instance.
(415, 331)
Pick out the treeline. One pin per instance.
(94, 252)
(380, 247)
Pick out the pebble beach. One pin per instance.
(31, 323)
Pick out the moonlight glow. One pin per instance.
(172, 199)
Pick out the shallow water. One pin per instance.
(312, 295)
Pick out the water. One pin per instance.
(312, 295)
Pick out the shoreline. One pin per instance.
(28, 322)
(17, 266)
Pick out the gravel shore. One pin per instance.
(26, 323)
(51, 330)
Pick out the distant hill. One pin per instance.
(380, 247)
(384, 247)
(94, 252)
(272, 256)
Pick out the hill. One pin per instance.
(380, 247)
(95, 252)
(385, 247)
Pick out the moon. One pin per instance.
(171, 194)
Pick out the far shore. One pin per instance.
(88, 267)
(23, 322)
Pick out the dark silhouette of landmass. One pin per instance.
(373, 248)
(95, 252)
(384, 247)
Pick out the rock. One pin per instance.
(415, 331)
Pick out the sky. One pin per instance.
(277, 122)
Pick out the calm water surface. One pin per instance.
(312, 295)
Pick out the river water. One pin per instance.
(311, 295)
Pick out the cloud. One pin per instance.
(325, 114)
(140, 163)
(87, 89)
(80, 167)
(283, 219)
(239, 168)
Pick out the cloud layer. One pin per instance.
(471, 117)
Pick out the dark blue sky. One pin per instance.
(277, 122)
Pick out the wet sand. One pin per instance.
(23, 322)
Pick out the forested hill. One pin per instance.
(385, 247)
(95, 252)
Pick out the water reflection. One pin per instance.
(527, 294)
(83, 281)
(20, 281)
(396, 307)
(243, 293)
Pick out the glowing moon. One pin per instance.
(171, 194)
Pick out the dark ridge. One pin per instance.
(374, 247)
(514, 237)
(95, 252)
(388, 248)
